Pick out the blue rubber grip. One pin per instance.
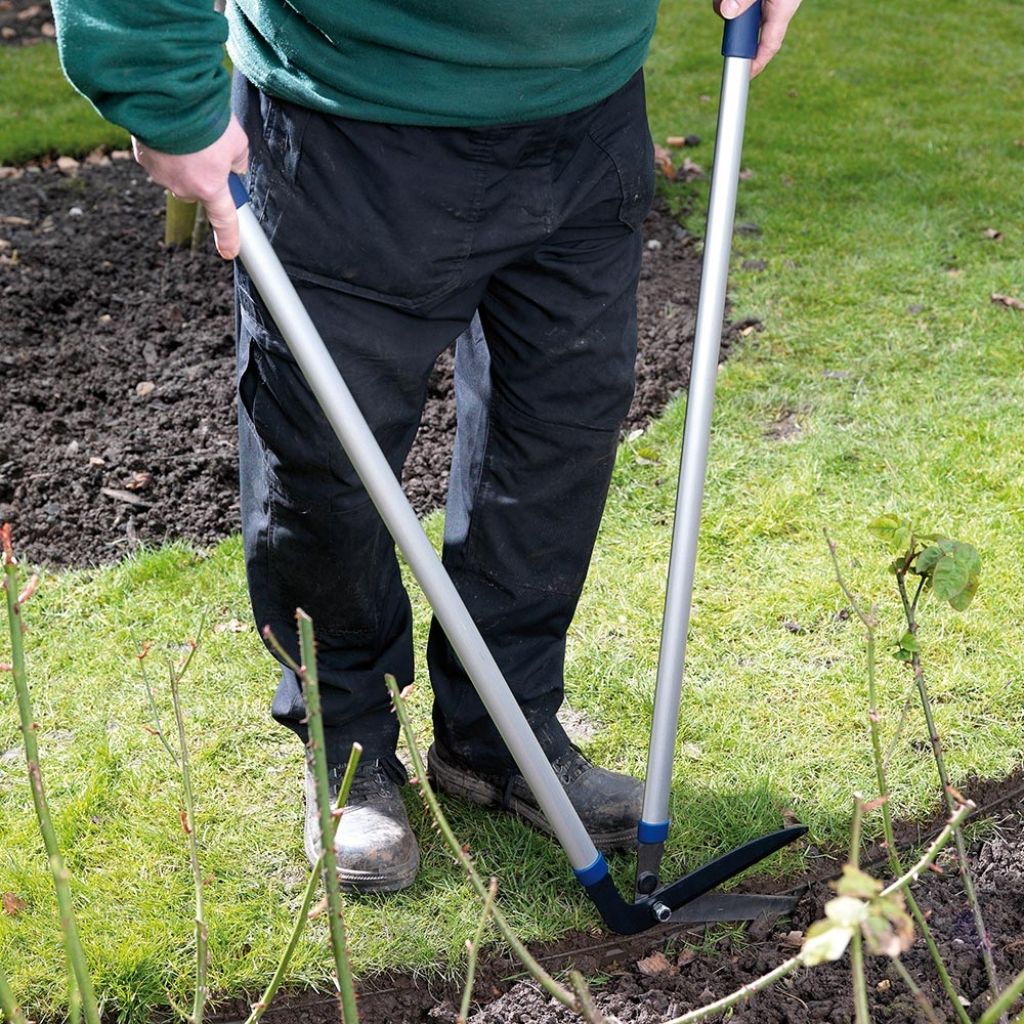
(648, 832)
(740, 36)
(237, 188)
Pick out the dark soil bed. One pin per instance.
(25, 22)
(117, 376)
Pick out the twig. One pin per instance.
(860, 986)
(552, 987)
(966, 876)
(69, 929)
(263, 1003)
(318, 749)
(929, 855)
(881, 774)
(472, 949)
(922, 1000)
(189, 824)
(11, 1010)
(585, 1001)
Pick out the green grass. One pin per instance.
(40, 113)
(881, 151)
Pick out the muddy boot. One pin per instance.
(609, 803)
(377, 851)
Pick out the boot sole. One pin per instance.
(474, 790)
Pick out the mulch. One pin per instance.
(25, 23)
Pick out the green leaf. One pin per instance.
(901, 655)
(908, 642)
(855, 882)
(895, 532)
(955, 577)
(928, 559)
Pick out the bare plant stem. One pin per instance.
(534, 969)
(11, 1010)
(869, 623)
(586, 1006)
(189, 824)
(929, 855)
(318, 749)
(922, 1000)
(910, 611)
(1004, 1002)
(862, 1013)
(261, 1005)
(473, 948)
(69, 929)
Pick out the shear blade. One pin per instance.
(717, 906)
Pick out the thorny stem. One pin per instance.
(929, 855)
(263, 1003)
(69, 929)
(874, 722)
(909, 609)
(922, 1000)
(11, 1010)
(472, 949)
(318, 749)
(189, 824)
(552, 987)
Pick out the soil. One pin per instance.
(25, 22)
(117, 367)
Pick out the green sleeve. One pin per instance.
(155, 67)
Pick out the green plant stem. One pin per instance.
(69, 929)
(922, 1000)
(929, 855)
(1004, 1002)
(966, 876)
(869, 623)
(189, 824)
(260, 1006)
(318, 749)
(534, 969)
(473, 948)
(8, 1004)
(861, 1013)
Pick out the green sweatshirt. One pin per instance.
(156, 66)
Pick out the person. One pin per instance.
(427, 172)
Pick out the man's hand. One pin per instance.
(203, 177)
(775, 18)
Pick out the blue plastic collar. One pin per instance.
(740, 36)
(593, 873)
(648, 832)
(238, 192)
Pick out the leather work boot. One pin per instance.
(609, 803)
(376, 848)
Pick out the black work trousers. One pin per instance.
(395, 237)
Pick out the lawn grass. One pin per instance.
(880, 153)
(41, 114)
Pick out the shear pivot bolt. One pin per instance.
(661, 912)
(647, 883)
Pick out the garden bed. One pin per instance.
(117, 364)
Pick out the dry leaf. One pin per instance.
(686, 956)
(746, 174)
(691, 751)
(676, 141)
(663, 158)
(1007, 300)
(12, 904)
(655, 964)
(794, 938)
(231, 626)
(95, 460)
(992, 233)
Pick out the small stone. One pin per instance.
(7, 32)
(120, 154)
(97, 158)
(67, 164)
(653, 244)
(29, 12)
(105, 318)
(75, 211)
(95, 460)
(72, 448)
(756, 265)
(9, 172)
(47, 30)
(144, 388)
